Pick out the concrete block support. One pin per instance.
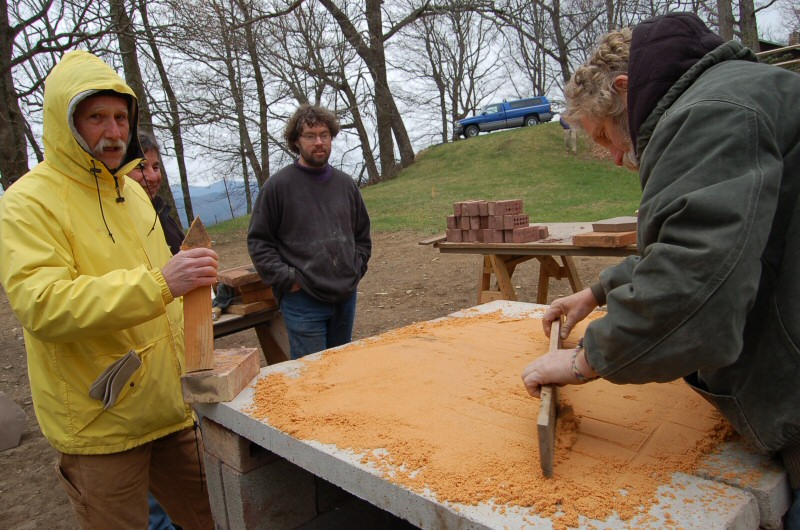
(236, 451)
(252, 488)
(275, 496)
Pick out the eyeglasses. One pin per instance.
(312, 138)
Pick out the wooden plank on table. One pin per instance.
(232, 371)
(198, 322)
(247, 308)
(604, 239)
(433, 240)
(548, 413)
(239, 276)
(616, 224)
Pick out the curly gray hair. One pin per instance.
(590, 93)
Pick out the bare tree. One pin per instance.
(33, 36)
(456, 53)
(372, 49)
(172, 116)
(123, 27)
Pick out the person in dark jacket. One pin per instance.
(309, 237)
(714, 295)
(148, 175)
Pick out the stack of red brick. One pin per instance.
(492, 222)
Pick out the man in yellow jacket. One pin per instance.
(90, 277)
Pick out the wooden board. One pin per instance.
(198, 323)
(239, 276)
(233, 370)
(604, 239)
(247, 308)
(616, 224)
(433, 240)
(548, 412)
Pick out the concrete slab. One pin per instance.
(688, 502)
(734, 463)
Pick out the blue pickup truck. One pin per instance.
(517, 113)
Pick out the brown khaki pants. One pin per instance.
(110, 491)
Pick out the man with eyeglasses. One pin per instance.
(309, 237)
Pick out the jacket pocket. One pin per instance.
(730, 408)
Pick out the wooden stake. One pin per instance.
(197, 321)
(548, 412)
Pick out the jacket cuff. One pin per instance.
(166, 294)
(598, 293)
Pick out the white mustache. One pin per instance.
(105, 143)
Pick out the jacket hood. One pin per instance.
(663, 48)
(78, 75)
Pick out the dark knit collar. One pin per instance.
(322, 174)
(663, 48)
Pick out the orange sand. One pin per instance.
(441, 406)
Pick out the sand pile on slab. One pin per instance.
(441, 406)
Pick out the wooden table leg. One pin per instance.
(274, 340)
(502, 268)
(572, 274)
(503, 276)
(549, 268)
(484, 280)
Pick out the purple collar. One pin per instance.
(322, 174)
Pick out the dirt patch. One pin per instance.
(406, 283)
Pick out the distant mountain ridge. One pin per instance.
(210, 203)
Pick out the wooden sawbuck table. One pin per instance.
(501, 259)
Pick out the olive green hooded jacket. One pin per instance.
(80, 258)
(714, 296)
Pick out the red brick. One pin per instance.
(472, 208)
(454, 235)
(464, 223)
(497, 236)
(525, 234)
(544, 232)
(469, 236)
(508, 236)
(474, 222)
(495, 221)
(483, 208)
(484, 222)
(453, 221)
(457, 209)
(519, 220)
(485, 236)
(508, 207)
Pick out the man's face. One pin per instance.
(102, 122)
(148, 174)
(314, 145)
(614, 136)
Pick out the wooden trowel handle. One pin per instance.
(548, 411)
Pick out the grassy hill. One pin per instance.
(528, 163)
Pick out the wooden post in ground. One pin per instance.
(197, 322)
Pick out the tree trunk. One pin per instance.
(748, 25)
(13, 147)
(725, 14)
(252, 49)
(174, 121)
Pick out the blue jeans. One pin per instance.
(159, 520)
(792, 520)
(314, 325)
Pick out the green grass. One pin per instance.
(527, 163)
